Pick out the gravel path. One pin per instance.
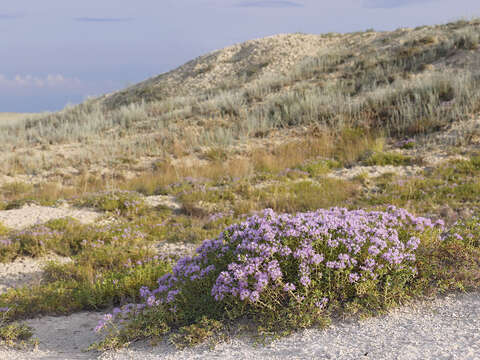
(446, 328)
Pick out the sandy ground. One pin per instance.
(24, 271)
(34, 214)
(374, 171)
(446, 328)
(167, 201)
(60, 338)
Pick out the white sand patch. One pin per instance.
(466, 132)
(175, 249)
(374, 171)
(437, 158)
(61, 338)
(167, 201)
(34, 214)
(24, 271)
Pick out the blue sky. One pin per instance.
(54, 52)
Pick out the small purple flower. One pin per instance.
(151, 301)
(305, 281)
(254, 296)
(322, 303)
(244, 293)
(353, 277)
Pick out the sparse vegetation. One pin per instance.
(228, 150)
(109, 265)
(395, 159)
(357, 82)
(13, 333)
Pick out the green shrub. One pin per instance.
(283, 272)
(127, 203)
(452, 262)
(61, 236)
(75, 287)
(12, 333)
(395, 159)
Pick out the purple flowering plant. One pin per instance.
(287, 270)
(466, 231)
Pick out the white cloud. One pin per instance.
(391, 4)
(104, 19)
(31, 81)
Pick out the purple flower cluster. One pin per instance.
(290, 254)
(39, 233)
(406, 143)
(265, 245)
(4, 242)
(358, 241)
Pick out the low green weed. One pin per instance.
(452, 184)
(125, 203)
(61, 236)
(75, 287)
(305, 195)
(197, 333)
(395, 159)
(13, 333)
(319, 168)
(451, 262)
(3, 230)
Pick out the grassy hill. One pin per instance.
(244, 101)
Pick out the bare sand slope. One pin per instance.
(60, 338)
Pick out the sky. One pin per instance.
(58, 52)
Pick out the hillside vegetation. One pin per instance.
(335, 175)
(401, 83)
